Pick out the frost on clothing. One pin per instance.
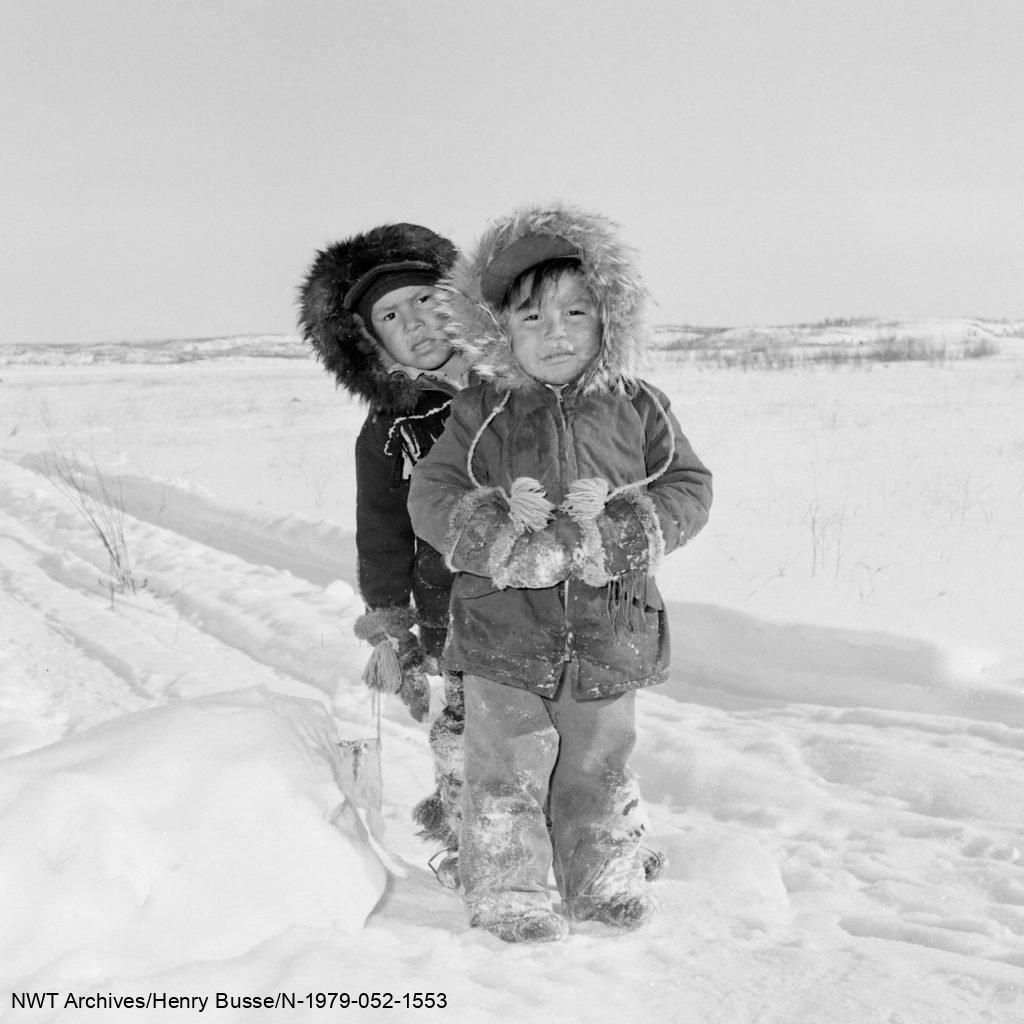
(403, 580)
(528, 605)
(610, 637)
(393, 566)
(571, 757)
(554, 503)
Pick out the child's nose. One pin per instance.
(556, 328)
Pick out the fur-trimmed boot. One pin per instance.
(439, 815)
(601, 867)
(615, 897)
(626, 911)
(654, 863)
(532, 926)
(518, 917)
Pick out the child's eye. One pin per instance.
(427, 297)
(388, 316)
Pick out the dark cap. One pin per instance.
(522, 254)
(386, 277)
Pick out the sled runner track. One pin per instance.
(320, 552)
(49, 684)
(150, 651)
(275, 619)
(204, 622)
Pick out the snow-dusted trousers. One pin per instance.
(440, 814)
(446, 750)
(526, 755)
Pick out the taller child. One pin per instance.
(558, 486)
(368, 306)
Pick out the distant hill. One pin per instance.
(171, 350)
(838, 340)
(841, 340)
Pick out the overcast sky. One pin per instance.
(169, 167)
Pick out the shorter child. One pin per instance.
(555, 490)
(368, 308)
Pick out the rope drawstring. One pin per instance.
(472, 448)
(648, 480)
(527, 506)
(586, 498)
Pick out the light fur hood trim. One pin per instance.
(609, 271)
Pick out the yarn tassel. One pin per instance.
(527, 507)
(586, 498)
(383, 671)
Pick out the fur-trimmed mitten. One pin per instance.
(517, 539)
(623, 538)
(398, 663)
(539, 559)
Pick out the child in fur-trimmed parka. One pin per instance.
(368, 308)
(559, 484)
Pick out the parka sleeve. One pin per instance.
(639, 526)
(385, 542)
(681, 493)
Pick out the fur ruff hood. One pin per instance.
(478, 330)
(338, 336)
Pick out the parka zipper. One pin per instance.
(569, 652)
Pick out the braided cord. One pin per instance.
(483, 426)
(671, 449)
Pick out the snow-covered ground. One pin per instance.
(835, 769)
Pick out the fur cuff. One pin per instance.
(486, 544)
(594, 569)
(378, 623)
(648, 516)
(461, 514)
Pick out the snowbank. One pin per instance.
(189, 832)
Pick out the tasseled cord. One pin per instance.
(383, 672)
(586, 498)
(527, 507)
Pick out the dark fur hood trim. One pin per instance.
(479, 331)
(337, 335)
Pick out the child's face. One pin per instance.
(407, 324)
(555, 339)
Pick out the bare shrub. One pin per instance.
(889, 348)
(102, 507)
(980, 348)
